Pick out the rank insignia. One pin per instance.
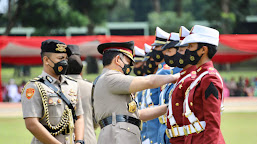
(30, 92)
(193, 74)
(211, 70)
(166, 67)
(132, 106)
(72, 92)
(61, 47)
(49, 79)
(199, 69)
(180, 86)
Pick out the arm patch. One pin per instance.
(211, 90)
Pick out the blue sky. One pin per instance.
(3, 6)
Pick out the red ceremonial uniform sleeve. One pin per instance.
(212, 97)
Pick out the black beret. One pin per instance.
(54, 46)
(74, 49)
(127, 48)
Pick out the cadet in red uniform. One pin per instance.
(203, 100)
(187, 75)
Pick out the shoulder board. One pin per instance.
(212, 71)
(193, 74)
(70, 78)
(166, 67)
(35, 79)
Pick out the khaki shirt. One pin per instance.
(32, 102)
(111, 94)
(85, 90)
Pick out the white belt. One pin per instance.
(195, 127)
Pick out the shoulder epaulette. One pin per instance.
(211, 71)
(35, 79)
(70, 78)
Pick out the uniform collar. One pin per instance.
(52, 80)
(204, 67)
(187, 71)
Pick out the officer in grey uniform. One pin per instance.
(114, 105)
(51, 103)
(74, 70)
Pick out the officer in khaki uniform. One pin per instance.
(114, 105)
(46, 114)
(74, 70)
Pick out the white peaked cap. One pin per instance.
(183, 32)
(202, 34)
(174, 36)
(160, 37)
(148, 48)
(139, 51)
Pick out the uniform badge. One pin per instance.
(59, 101)
(181, 61)
(158, 56)
(199, 69)
(60, 68)
(193, 74)
(180, 86)
(50, 101)
(72, 92)
(211, 70)
(30, 92)
(132, 106)
(61, 47)
(166, 67)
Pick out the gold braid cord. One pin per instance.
(63, 124)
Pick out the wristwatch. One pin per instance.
(80, 141)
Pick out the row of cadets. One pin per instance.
(177, 94)
(164, 97)
(154, 63)
(203, 103)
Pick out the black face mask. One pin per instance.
(126, 68)
(157, 55)
(60, 67)
(171, 61)
(150, 67)
(193, 57)
(182, 60)
(139, 71)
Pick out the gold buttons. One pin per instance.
(144, 136)
(191, 103)
(66, 138)
(151, 141)
(183, 114)
(177, 104)
(150, 94)
(128, 128)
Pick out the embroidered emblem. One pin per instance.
(30, 92)
(61, 47)
(60, 68)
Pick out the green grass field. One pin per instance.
(237, 128)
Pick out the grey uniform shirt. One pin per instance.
(85, 90)
(111, 94)
(32, 105)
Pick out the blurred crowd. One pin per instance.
(243, 87)
(11, 92)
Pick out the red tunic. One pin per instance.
(205, 101)
(178, 96)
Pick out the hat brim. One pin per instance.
(179, 45)
(169, 45)
(196, 38)
(157, 44)
(138, 59)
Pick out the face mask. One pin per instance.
(139, 71)
(60, 67)
(194, 58)
(182, 60)
(150, 67)
(171, 60)
(157, 55)
(126, 68)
